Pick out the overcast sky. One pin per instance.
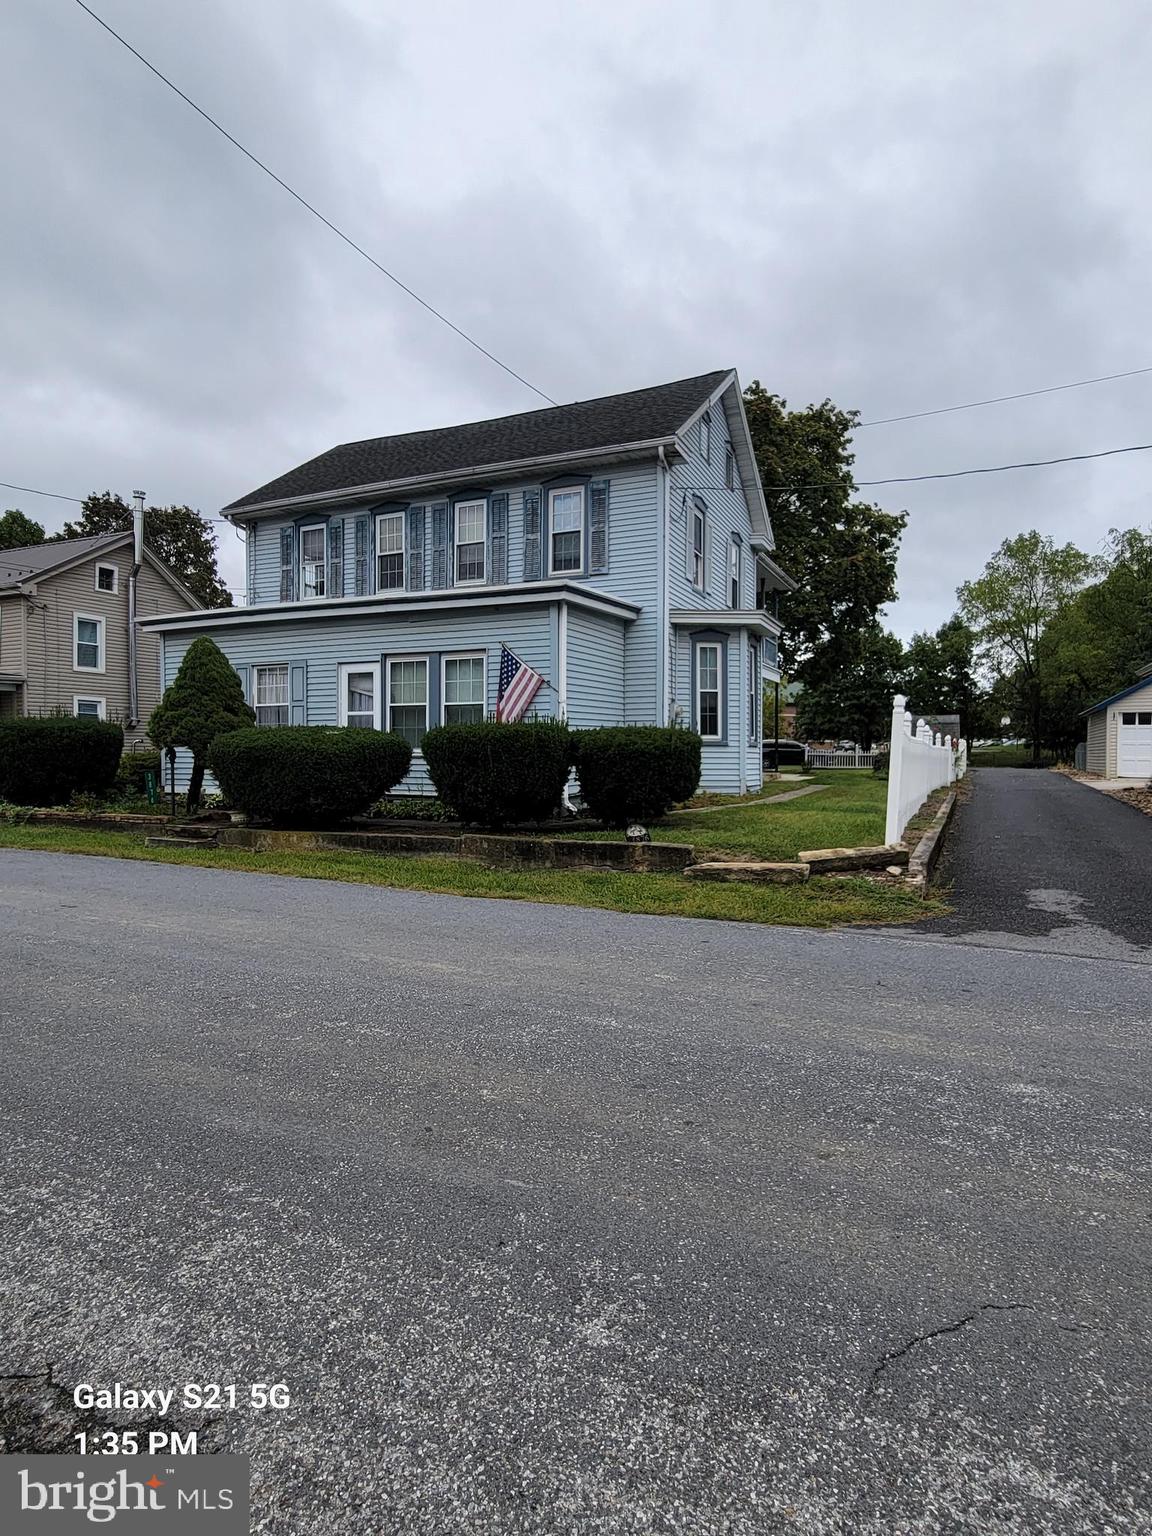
(893, 205)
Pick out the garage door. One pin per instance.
(1134, 744)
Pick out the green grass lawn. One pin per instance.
(848, 813)
(820, 903)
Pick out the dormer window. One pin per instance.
(706, 437)
(312, 560)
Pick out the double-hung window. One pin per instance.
(709, 718)
(566, 524)
(270, 695)
(360, 695)
(389, 551)
(729, 469)
(755, 694)
(697, 553)
(734, 574)
(408, 697)
(464, 688)
(706, 437)
(313, 549)
(471, 532)
(88, 643)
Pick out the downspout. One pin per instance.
(133, 644)
(662, 701)
(562, 690)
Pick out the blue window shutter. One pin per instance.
(336, 557)
(441, 545)
(415, 549)
(532, 534)
(245, 676)
(361, 556)
(498, 538)
(598, 527)
(287, 565)
(298, 690)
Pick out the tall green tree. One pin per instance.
(854, 699)
(177, 535)
(940, 676)
(204, 700)
(1028, 582)
(841, 550)
(18, 531)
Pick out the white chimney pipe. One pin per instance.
(138, 530)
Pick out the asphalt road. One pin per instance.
(561, 1221)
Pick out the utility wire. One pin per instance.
(56, 496)
(1026, 394)
(304, 203)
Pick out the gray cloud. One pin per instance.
(895, 209)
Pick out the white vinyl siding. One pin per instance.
(408, 698)
(465, 689)
(359, 697)
(471, 534)
(270, 695)
(87, 642)
(389, 551)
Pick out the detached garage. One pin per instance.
(1120, 732)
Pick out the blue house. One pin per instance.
(621, 547)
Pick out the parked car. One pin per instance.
(792, 754)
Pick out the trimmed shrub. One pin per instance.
(495, 775)
(133, 767)
(636, 772)
(203, 701)
(307, 775)
(46, 759)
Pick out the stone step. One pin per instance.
(749, 871)
(826, 860)
(181, 842)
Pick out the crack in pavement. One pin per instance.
(893, 1355)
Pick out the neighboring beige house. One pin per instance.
(1120, 732)
(64, 642)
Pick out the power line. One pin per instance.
(304, 203)
(1026, 394)
(31, 491)
(956, 474)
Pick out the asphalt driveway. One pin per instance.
(1036, 860)
(564, 1221)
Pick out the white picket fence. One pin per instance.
(918, 763)
(828, 757)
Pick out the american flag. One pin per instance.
(519, 685)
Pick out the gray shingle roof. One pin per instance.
(18, 565)
(639, 416)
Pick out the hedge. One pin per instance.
(46, 759)
(133, 767)
(307, 775)
(495, 775)
(636, 772)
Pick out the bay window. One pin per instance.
(471, 533)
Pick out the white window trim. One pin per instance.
(321, 528)
(735, 570)
(101, 647)
(343, 671)
(386, 698)
(705, 437)
(90, 698)
(104, 565)
(711, 645)
(457, 541)
(380, 517)
(729, 468)
(481, 656)
(268, 666)
(567, 490)
(695, 512)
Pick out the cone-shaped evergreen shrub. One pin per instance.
(636, 772)
(204, 700)
(46, 759)
(496, 775)
(307, 775)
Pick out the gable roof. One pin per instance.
(36, 561)
(17, 565)
(640, 416)
(1143, 680)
